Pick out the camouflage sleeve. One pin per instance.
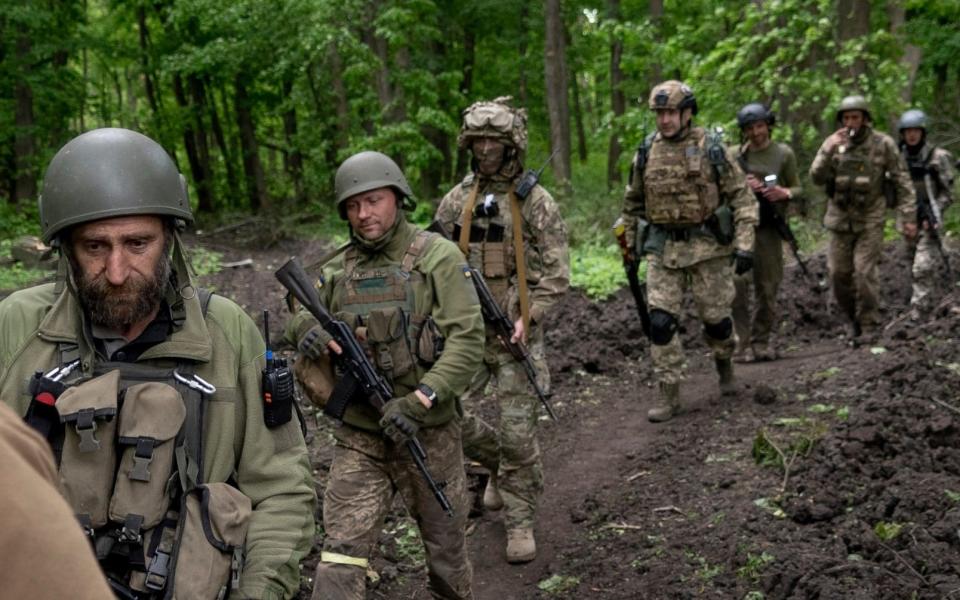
(906, 196)
(448, 212)
(550, 251)
(788, 174)
(821, 171)
(633, 203)
(743, 203)
(942, 164)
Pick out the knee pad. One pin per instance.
(663, 326)
(719, 331)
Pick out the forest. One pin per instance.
(259, 101)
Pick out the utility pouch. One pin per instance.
(494, 260)
(429, 343)
(315, 377)
(152, 415)
(87, 467)
(387, 337)
(720, 224)
(653, 240)
(214, 529)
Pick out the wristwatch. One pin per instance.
(427, 391)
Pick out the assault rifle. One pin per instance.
(632, 266)
(927, 213)
(360, 376)
(494, 316)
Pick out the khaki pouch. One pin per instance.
(494, 260)
(150, 419)
(861, 184)
(315, 377)
(429, 340)
(88, 462)
(842, 183)
(387, 338)
(214, 527)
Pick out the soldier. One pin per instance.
(408, 294)
(931, 169)
(151, 394)
(689, 212)
(859, 167)
(760, 157)
(520, 247)
(37, 528)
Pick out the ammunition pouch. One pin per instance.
(387, 340)
(428, 341)
(653, 240)
(316, 379)
(720, 225)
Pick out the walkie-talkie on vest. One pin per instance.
(530, 179)
(276, 384)
(42, 413)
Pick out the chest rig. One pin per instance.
(128, 439)
(679, 182)
(859, 173)
(379, 303)
(490, 247)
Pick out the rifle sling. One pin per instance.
(521, 260)
(464, 241)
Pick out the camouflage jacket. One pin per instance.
(733, 191)
(853, 174)
(544, 243)
(938, 164)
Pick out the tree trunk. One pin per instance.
(250, 150)
(340, 94)
(911, 54)
(556, 89)
(466, 88)
(577, 104)
(198, 108)
(618, 100)
(853, 21)
(233, 182)
(656, 17)
(24, 144)
(523, 93)
(190, 145)
(292, 157)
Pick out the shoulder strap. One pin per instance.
(420, 243)
(643, 153)
(204, 295)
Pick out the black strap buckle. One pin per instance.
(158, 571)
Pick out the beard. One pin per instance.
(118, 307)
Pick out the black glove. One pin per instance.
(743, 261)
(402, 418)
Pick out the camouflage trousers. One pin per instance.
(511, 449)
(926, 263)
(711, 282)
(366, 472)
(766, 275)
(852, 260)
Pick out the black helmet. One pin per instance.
(753, 112)
(110, 173)
(913, 119)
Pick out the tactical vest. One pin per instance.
(859, 173)
(491, 249)
(128, 440)
(679, 182)
(379, 303)
(919, 166)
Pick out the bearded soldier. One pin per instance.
(519, 245)
(860, 167)
(407, 294)
(771, 169)
(931, 169)
(689, 212)
(148, 389)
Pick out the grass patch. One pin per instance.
(204, 261)
(754, 566)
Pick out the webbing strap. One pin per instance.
(521, 261)
(464, 241)
(343, 559)
(414, 251)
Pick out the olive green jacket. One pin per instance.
(445, 293)
(270, 466)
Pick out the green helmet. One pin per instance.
(672, 94)
(913, 119)
(367, 171)
(110, 173)
(853, 103)
(495, 119)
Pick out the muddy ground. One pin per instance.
(833, 474)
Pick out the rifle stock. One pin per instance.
(354, 362)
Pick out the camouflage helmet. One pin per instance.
(672, 94)
(753, 112)
(367, 171)
(913, 119)
(494, 119)
(855, 102)
(107, 173)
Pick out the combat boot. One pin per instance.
(492, 500)
(763, 352)
(669, 405)
(521, 547)
(725, 369)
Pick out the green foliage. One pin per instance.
(556, 584)
(16, 276)
(17, 220)
(203, 260)
(409, 547)
(755, 565)
(597, 270)
(704, 570)
(887, 531)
